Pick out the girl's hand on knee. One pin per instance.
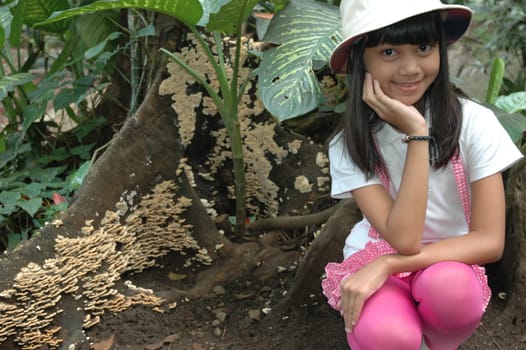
(358, 287)
(405, 118)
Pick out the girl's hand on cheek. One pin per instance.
(405, 118)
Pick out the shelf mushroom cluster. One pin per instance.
(89, 267)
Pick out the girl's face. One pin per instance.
(403, 71)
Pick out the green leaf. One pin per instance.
(231, 16)
(13, 240)
(9, 197)
(59, 154)
(77, 178)
(89, 125)
(32, 113)
(35, 11)
(63, 57)
(31, 206)
(82, 151)
(209, 7)
(2, 143)
(2, 36)
(45, 175)
(279, 4)
(7, 210)
(8, 182)
(514, 124)
(33, 189)
(8, 83)
(512, 103)
(495, 80)
(92, 28)
(306, 32)
(97, 49)
(44, 91)
(65, 97)
(6, 18)
(144, 32)
(262, 24)
(186, 11)
(15, 147)
(15, 33)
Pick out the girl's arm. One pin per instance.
(483, 243)
(401, 221)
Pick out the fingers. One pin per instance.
(347, 310)
(374, 96)
(368, 90)
(404, 118)
(351, 305)
(351, 318)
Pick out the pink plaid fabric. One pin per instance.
(462, 185)
(336, 272)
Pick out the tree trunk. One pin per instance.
(509, 274)
(70, 274)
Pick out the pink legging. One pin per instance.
(442, 303)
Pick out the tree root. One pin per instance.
(292, 222)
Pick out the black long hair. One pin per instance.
(361, 122)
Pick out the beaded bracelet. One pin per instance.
(417, 138)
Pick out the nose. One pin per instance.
(409, 64)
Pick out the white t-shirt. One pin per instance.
(485, 149)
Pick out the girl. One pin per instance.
(424, 167)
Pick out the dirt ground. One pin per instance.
(233, 316)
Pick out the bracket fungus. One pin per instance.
(89, 266)
(260, 150)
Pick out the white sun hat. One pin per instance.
(363, 16)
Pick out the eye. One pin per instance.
(424, 47)
(388, 52)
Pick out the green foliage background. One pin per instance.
(48, 72)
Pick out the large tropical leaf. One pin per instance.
(305, 33)
(5, 21)
(93, 28)
(186, 11)
(35, 11)
(514, 123)
(9, 82)
(512, 103)
(210, 6)
(10, 20)
(230, 16)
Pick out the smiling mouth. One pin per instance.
(407, 86)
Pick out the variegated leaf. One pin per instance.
(34, 11)
(305, 33)
(10, 82)
(186, 11)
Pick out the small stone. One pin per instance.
(217, 332)
(254, 314)
(221, 316)
(197, 346)
(219, 290)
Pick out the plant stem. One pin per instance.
(236, 142)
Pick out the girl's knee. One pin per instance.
(452, 281)
(449, 293)
(389, 320)
(393, 337)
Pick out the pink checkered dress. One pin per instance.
(336, 272)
